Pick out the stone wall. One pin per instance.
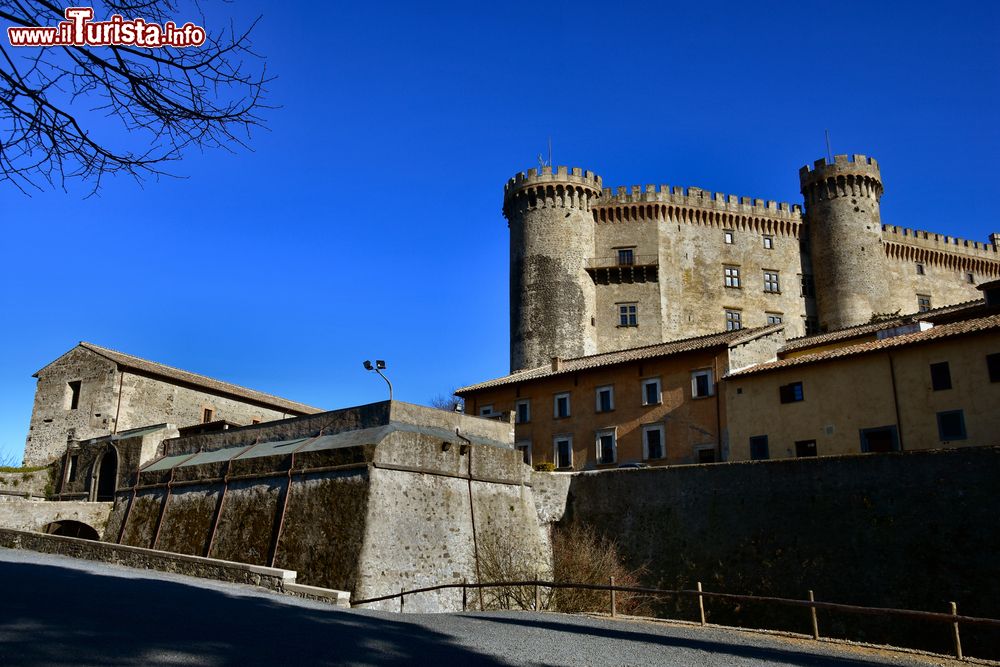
(910, 530)
(35, 515)
(31, 482)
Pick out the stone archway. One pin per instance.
(69, 528)
(106, 479)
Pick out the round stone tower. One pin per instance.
(552, 299)
(845, 239)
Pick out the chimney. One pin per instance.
(990, 290)
(557, 364)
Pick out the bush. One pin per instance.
(580, 556)
(504, 557)
(545, 467)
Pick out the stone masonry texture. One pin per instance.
(835, 265)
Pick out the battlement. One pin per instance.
(562, 175)
(940, 242)
(842, 165)
(699, 198)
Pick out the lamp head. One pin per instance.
(380, 364)
(368, 365)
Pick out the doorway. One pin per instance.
(107, 476)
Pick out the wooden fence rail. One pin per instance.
(953, 618)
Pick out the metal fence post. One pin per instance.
(614, 611)
(954, 626)
(538, 601)
(465, 594)
(812, 613)
(402, 599)
(701, 605)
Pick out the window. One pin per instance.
(523, 410)
(812, 326)
(804, 448)
(606, 447)
(626, 256)
(563, 445)
(771, 282)
(879, 440)
(206, 415)
(768, 243)
(920, 269)
(971, 278)
(758, 448)
(940, 376)
(773, 318)
(951, 425)
(651, 392)
(705, 454)
(727, 235)
(807, 287)
(628, 315)
(734, 320)
(560, 408)
(701, 383)
(74, 394)
(732, 274)
(525, 449)
(652, 441)
(791, 393)
(923, 303)
(993, 366)
(605, 399)
(486, 410)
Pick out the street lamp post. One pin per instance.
(378, 367)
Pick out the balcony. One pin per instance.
(618, 270)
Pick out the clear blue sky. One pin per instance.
(366, 223)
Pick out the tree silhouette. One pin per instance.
(79, 112)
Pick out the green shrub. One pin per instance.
(545, 467)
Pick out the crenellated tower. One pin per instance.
(845, 239)
(552, 298)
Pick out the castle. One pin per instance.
(595, 271)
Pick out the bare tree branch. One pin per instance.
(72, 112)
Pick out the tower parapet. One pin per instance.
(845, 239)
(552, 299)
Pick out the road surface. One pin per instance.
(60, 611)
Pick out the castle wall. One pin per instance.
(909, 530)
(52, 418)
(147, 400)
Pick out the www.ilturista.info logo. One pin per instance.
(79, 29)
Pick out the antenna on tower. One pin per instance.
(550, 151)
(829, 153)
(541, 160)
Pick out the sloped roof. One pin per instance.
(860, 330)
(938, 332)
(209, 384)
(657, 350)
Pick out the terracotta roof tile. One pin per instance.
(940, 331)
(576, 364)
(869, 329)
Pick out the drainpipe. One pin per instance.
(718, 405)
(284, 502)
(166, 499)
(121, 381)
(131, 502)
(222, 499)
(895, 401)
(472, 514)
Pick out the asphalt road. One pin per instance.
(60, 611)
